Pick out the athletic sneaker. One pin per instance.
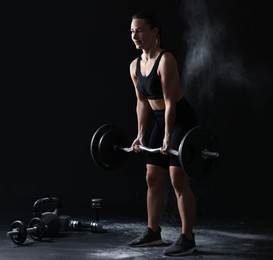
(148, 238)
(182, 246)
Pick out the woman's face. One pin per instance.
(142, 35)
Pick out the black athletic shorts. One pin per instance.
(185, 120)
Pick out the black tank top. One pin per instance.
(150, 85)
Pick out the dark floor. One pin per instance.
(216, 239)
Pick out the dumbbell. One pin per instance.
(77, 224)
(95, 225)
(18, 230)
(97, 205)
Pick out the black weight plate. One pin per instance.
(37, 234)
(94, 144)
(21, 236)
(107, 155)
(190, 153)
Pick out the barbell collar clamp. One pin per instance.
(207, 154)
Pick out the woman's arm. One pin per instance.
(170, 81)
(142, 109)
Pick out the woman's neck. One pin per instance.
(151, 53)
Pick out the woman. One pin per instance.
(155, 76)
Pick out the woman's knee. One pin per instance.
(155, 176)
(179, 178)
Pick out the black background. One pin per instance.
(65, 72)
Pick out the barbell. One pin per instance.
(197, 152)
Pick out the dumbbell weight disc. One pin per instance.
(21, 236)
(38, 234)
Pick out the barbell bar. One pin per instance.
(204, 153)
(197, 151)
